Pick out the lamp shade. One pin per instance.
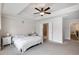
(7, 34)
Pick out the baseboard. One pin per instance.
(56, 41)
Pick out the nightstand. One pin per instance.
(5, 40)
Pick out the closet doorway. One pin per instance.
(45, 31)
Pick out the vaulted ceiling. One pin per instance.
(26, 10)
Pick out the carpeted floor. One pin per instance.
(47, 48)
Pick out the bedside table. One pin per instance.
(5, 40)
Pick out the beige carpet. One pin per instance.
(47, 48)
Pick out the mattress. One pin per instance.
(23, 43)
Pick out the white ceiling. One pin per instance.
(13, 8)
(26, 10)
(73, 15)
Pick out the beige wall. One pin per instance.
(15, 25)
(0, 22)
(0, 15)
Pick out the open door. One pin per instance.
(45, 31)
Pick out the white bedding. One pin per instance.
(23, 43)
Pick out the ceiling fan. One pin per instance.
(42, 11)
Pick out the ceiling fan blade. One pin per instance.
(47, 12)
(47, 9)
(37, 13)
(37, 9)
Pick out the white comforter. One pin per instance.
(26, 42)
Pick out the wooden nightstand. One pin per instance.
(5, 40)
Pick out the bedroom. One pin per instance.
(18, 19)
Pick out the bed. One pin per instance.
(22, 43)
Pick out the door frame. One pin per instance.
(47, 30)
(70, 28)
(50, 30)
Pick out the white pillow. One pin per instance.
(19, 36)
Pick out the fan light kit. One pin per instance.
(42, 11)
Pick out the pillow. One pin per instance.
(29, 34)
(34, 34)
(19, 36)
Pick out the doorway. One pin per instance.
(45, 31)
(74, 32)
